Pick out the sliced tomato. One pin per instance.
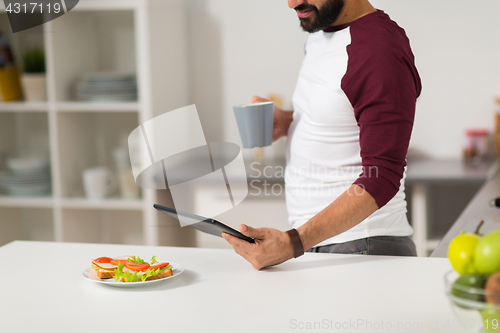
(102, 260)
(160, 265)
(136, 267)
(116, 262)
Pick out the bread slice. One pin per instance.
(102, 273)
(164, 274)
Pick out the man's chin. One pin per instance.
(309, 26)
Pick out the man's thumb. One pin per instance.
(251, 232)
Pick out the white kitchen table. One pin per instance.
(42, 290)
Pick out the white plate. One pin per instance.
(27, 182)
(177, 269)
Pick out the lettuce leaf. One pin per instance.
(126, 276)
(121, 275)
(151, 272)
(137, 260)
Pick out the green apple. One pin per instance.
(465, 285)
(491, 320)
(461, 252)
(487, 254)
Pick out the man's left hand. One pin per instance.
(271, 247)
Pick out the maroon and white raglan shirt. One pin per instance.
(354, 106)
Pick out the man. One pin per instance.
(348, 137)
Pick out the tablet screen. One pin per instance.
(205, 224)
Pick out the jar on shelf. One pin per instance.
(476, 148)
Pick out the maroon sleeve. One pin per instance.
(382, 84)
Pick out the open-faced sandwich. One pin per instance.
(129, 269)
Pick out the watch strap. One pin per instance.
(298, 248)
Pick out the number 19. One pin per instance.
(494, 323)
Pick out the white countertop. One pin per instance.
(448, 171)
(220, 292)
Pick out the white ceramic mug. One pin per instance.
(98, 183)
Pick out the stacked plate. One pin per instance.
(107, 87)
(26, 177)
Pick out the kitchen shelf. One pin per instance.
(86, 140)
(99, 5)
(24, 107)
(109, 203)
(106, 43)
(97, 107)
(117, 36)
(24, 133)
(69, 107)
(11, 201)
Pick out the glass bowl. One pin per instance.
(473, 313)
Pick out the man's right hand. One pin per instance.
(282, 119)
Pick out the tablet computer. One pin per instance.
(205, 224)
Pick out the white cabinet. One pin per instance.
(96, 36)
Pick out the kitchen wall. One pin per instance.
(240, 48)
(457, 52)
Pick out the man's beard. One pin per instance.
(320, 20)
